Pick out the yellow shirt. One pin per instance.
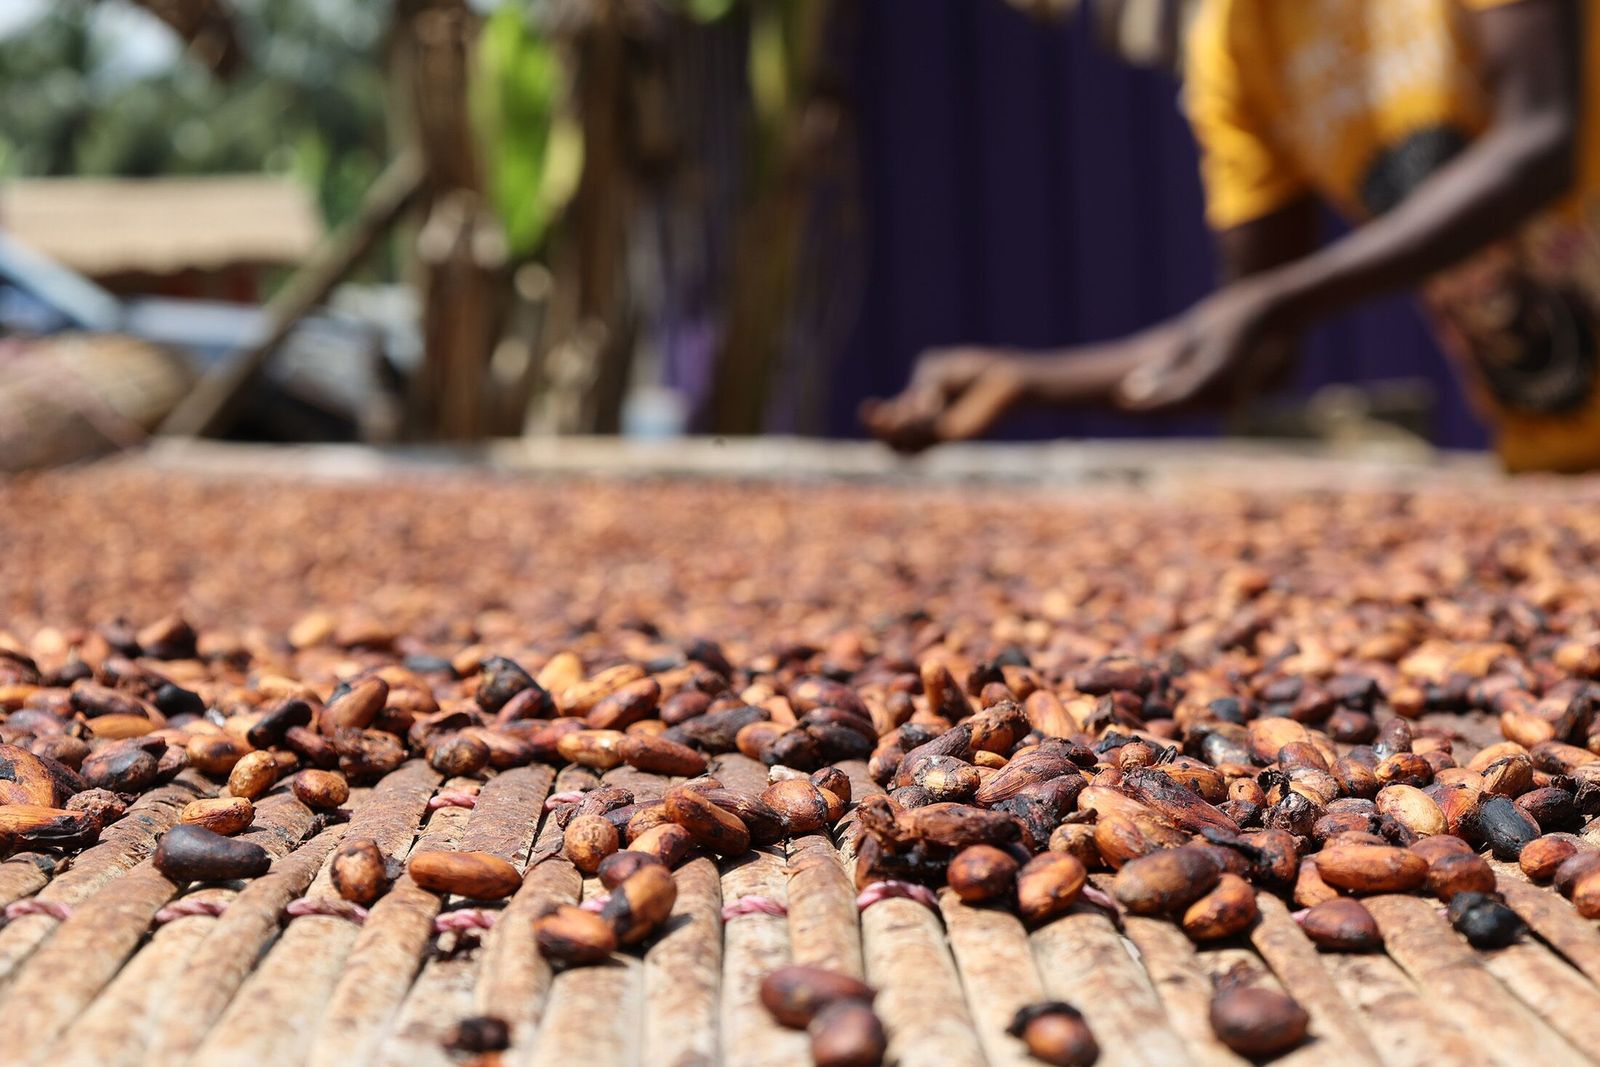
(1358, 102)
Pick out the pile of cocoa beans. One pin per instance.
(1183, 702)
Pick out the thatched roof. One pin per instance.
(105, 226)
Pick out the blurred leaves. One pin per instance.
(310, 101)
(533, 148)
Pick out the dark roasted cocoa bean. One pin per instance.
(190, 853)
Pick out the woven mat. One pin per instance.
(102, 969)
(127, 978)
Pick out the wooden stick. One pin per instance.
(1407, 1026)
(919, 991)
(683, 973)
(125, 844)
(386, 954)
(1084, 962)
(197, 997)
(754, 945)
(1553, 919)
(823, 923)
(20, 877)
(1439, 961)
(510, 806)
(1297, 965)
(573, 1031)
(740, 772)
(1184, 984)
(514, 980)
(125, 1013)
(62, 977)
(208, 408)
(296, 978)
(1566, 1000)
(114, 1029)
(502, 824)
(997, 971)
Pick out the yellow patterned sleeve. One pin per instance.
(1245, 175)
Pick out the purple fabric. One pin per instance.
(1021, 187)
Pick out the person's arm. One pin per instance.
(1526, 160)
(960, 393)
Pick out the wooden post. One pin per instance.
(211, 404)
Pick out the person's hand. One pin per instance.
(1224, 350)
(955, 394)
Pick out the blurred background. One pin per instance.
(442, 220)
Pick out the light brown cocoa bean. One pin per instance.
(1371, 868)
(224, 815)
(571, 936)
(320, 789)
(588, 840)
(981, 873)
(359, 871)
(1229, 909)
(1048, 885)
(477, 875)
(641, 903)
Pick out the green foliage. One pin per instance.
(310, 101)
(516, 104)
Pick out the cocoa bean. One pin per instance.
(981, 873)
(1165, 881)
(641, 903)
(570, 936)
(189, 853)
(1055, 1033)
(588, 840)
(1258, 1023)
(711, 827)
(794, 994)
(477, 875)
(847, 1033)
(1342, 924)
(1371, 868)
(1048, 885)
(320, 789)
(224, 815)
(359, 871)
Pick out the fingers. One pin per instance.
(974, 412)
(899, 426)
(1178, 378)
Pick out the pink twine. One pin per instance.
(463, 919)
(34, 906)
(753, 906)
(337, 909)
(452, 798)
(596, 904)
(555, 800)
(888, 890)
(178, 909)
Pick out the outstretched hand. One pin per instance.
(1223, 351)
(955, 394)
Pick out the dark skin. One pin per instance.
(1276, 282)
